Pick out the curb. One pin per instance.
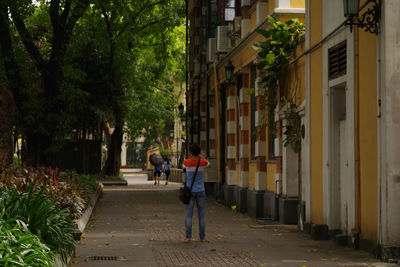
(117, 182)
(81, 224)
(84, 219)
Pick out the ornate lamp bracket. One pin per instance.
(369, 20)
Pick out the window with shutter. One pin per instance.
(337, 60)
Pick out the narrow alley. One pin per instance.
(142, 224)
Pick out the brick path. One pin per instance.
(142, 225)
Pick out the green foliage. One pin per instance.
(165, 152)
(43, 218)
(67, 190)
(89, 182)
(275, 52)
(17, 162)
(119, 55)
(19, 247)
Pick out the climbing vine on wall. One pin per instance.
(275, 53)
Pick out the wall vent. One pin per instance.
(337, 60)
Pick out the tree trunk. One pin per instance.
(6, 127)
(113, 162)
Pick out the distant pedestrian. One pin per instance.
(198, 191)
(158, 169)
(157, 161)
(167, 169)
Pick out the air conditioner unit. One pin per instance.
(223, 40)
(212, 50)
(246, 2)
(237, 23)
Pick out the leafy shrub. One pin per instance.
(89, 182)
(50, 223)
(19, 247)
(64, 189)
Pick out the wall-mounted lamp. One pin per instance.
(369, 20)
(229, 68)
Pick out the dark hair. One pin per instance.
(195, 149)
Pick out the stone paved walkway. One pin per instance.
(142, 224)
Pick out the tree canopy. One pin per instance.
(77, 67)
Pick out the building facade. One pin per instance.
(344, 181)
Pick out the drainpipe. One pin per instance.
(380, 80)
(357, 132)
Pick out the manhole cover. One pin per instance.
(103, 258)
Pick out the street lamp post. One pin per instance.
(181, 110)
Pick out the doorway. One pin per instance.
(338, 162)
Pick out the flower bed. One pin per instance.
(38, 207)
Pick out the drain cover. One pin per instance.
(103, 258)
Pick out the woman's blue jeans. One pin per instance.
(200, 199)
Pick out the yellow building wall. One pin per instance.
(253, 19)
(297, 3)
(271, 171)
(293, 83)
(368, 135)
(316, 130)
(271, 6)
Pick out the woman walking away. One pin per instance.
(157, 173)
(167, 169)
(198, 191)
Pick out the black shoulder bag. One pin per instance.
(185, 193)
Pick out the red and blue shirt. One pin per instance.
(190, 166)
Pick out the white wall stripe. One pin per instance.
(260, 181)
(230, 102)
(231, 177)
(231, 127)
(260, 149)
(244, 123)
(231, 152)
(212, 113)
(212, 134)
(244, 151)
(244, 179)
